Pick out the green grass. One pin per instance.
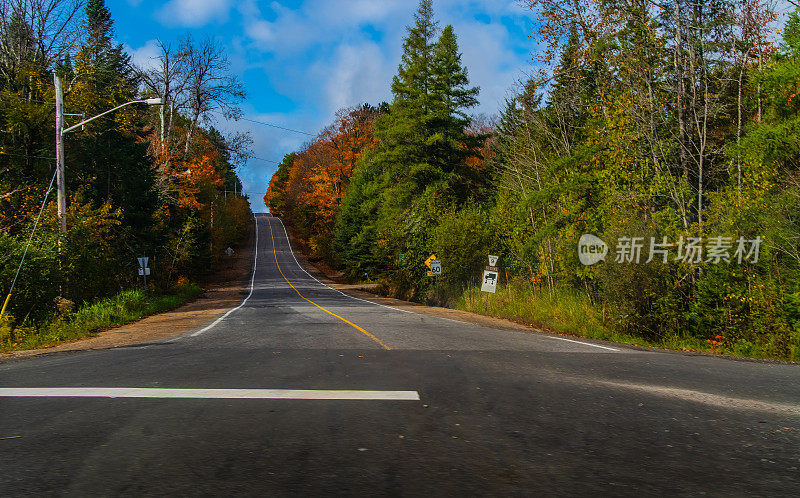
(565, 312)
(123, 308)
(571, 312)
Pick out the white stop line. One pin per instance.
(143, 392)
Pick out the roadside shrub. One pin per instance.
(461, 241)
(39, 280)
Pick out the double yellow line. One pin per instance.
(275, 253)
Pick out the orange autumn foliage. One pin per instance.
(333, 157)
(196, 178)
(319, 174)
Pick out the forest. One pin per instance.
(154, 181)
(660, 127)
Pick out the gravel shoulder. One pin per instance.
(223, 290)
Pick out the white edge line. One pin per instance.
(584, 343)
(252, 283)
(291, 250)
(167, 393)
(406, 311)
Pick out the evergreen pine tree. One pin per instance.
(418, 164)
(107, 160)
(448, 145)
(451, 91)
(568, 94)
(106, 77)
(791, 36)
(98, 23)
(407, 127)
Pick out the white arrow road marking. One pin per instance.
(143, 392)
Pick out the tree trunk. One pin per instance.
(680, 90)
(189, 134)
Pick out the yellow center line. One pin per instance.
(275, 253)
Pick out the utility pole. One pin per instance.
(61, 131)
(62, 196)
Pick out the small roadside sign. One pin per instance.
(492, 268)
(493, 260)
(432, 263)
(489, 283)
(144, 271)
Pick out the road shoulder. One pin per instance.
(363, 291)
(221, 291)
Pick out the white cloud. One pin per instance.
(489, 62)
(348, 67)
(261, 31)
(356, 74)
(194, 13)
(318, 22)
(146, 56)
(355, 12)
(325, 55)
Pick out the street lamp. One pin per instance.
(61, 131)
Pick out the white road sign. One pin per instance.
(493, 260)
(144, 271)
(489, 283)
(143, 261)
(436, 267)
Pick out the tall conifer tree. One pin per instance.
(107, 161)
(451, 97)
(418, 163)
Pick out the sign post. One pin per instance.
(144, 271)
(434, 266)
(489, 282)
(490, 277)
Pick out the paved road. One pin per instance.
(306, 391)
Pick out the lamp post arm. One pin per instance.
(67, 130)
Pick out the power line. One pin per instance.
(28, 245)
(277, 126)
(26, 155)
(265, 160)
(249, 156)
(271, 125)
(24, 99)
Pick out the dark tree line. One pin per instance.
(140, 181)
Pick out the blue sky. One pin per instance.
(301, 60)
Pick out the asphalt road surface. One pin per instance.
(305, 391)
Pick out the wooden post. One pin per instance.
(60, 187)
